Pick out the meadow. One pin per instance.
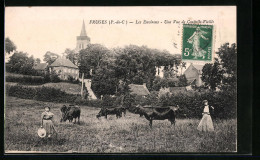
(129, 134)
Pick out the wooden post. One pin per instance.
(82, 86)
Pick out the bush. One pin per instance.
(46, 94)
(95, 103)
(191, 103)
(24, 79)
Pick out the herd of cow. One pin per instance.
(73, 112)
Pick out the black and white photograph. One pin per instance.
(144, 79)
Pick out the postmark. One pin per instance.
(197, 42)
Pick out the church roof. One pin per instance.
(83, 30)
(63, 62)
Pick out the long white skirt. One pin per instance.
(206, 123)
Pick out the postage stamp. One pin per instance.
(197, 42)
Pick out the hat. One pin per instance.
(204, 101)
(41, 132)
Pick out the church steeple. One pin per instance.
(83, 31)
(83, 40)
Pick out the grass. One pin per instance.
(130, 134)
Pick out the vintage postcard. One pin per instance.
(120, 79)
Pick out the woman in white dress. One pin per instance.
(206, 123)
(195, 41)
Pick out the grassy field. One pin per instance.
(130, 134)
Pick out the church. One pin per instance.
(83, 40)
(64, 66)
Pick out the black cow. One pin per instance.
(157, 113)
(110, 111)
(69, 113)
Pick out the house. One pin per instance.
(139, 90)
(193, 74)
(65, 68)
(41, 68)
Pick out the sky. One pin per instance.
(36, 30)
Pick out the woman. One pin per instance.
(195, 41)
(47, 122)
(206, 123)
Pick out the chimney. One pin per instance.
(144, 84)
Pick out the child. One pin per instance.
(47, 122)
(206, 123)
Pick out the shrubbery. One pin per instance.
(24, 79)
(47, 94)
(190, 103)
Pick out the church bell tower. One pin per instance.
(83, 40)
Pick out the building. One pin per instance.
(41, 68)
(139, 90)
(193, 74)
(65, 68)
(83, 40)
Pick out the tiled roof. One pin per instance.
(140, 90)
(40, 66)
(63, 62)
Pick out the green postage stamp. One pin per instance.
(197, 42)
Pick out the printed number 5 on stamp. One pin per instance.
(197, 42)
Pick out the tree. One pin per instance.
(38, 60)
(135, 64)
(212, 74)
(9, 45)
(228, 61)
(90, 58)
(224, 70)
(20, 63)
(183, 81)
(104, 81)
(50, 57)
(72, 56)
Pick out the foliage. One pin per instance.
(191, 105)
(9, 45)
(182, 81)
(24, 79)
(46, 94)
(224, 70)
(50, 57)
(136, 65)
(20, 63)
(228, 60)
(72, 56)
(104, 80)
(90, 58)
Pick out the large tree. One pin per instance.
(228, 61)
(72, 56)
(224, 70)
(212, 75)
(90, 58)
(50, 57)
(20, 63)
(9, 45)
(104, 80)
(135, 65)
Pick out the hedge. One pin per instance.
(190, 103)
(46, 94)
(24, 79)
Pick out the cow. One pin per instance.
(158, 113)
(69, 113)
(110, 111)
